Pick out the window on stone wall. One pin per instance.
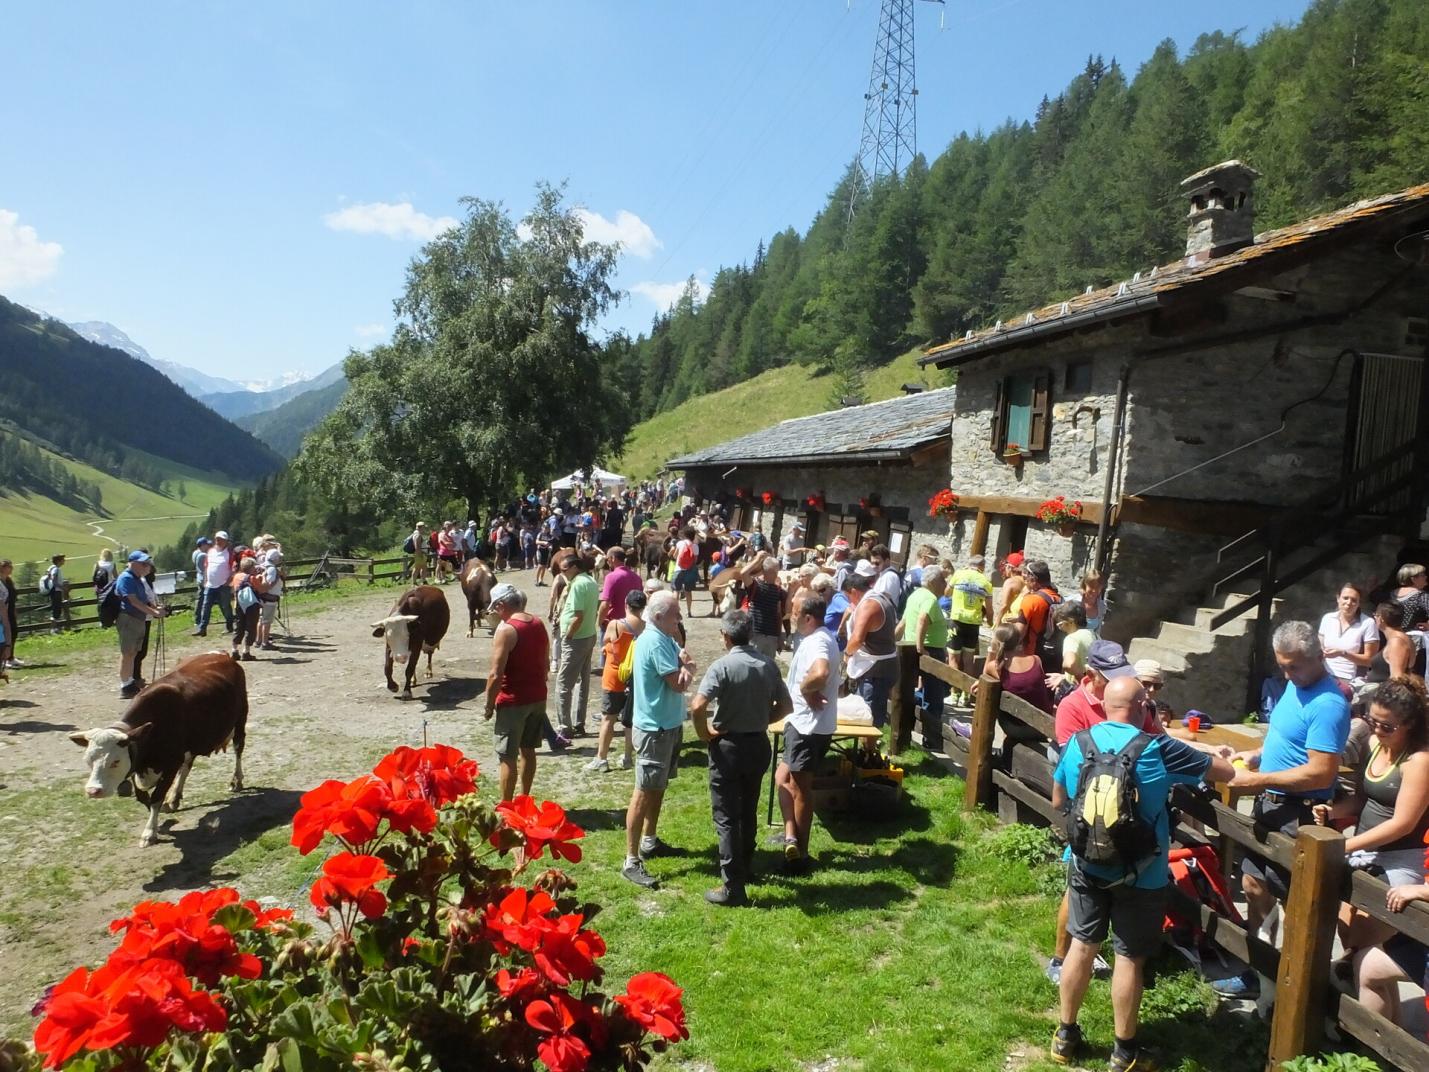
(1022, 413)
(844, 525)
(1079, 377)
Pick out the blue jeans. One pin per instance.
(875, 691)
(935, 691)
(223, 597)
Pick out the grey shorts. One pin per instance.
(268, 611)
(803, 752)
(616, 705)
(518, 727)
(1133, 915)
(769, 645)
(686, 579)
(1400, 867)
(130, 628)
(656, 756)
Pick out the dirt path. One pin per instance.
(318, 709)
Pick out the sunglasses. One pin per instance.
(1382, 727)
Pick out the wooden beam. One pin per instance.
(949, 675)
(1389, 1040)
(979, 787)
(980, 533)
(1029, 798)
(1021, 506)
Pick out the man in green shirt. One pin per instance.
(924, 625)
(578, 636)
(971, 595)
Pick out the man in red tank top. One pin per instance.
(516, 686)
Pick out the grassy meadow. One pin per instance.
(771, 397)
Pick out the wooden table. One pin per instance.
(846, 731)
(1241, 737)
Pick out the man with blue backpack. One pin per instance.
(1116, 779)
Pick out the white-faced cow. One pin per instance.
(416, 624)
(195, 710)
(477, 581)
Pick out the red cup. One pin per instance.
(1193, 723)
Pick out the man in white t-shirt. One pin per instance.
(792, 547)
(886, 581)
(217, 572)
(813, 682)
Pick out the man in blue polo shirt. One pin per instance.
(135, 610)
(1295, 770)
(1131, 903)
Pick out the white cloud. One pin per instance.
(633, 233)
(23, 257)
(395, 220)
(664, 295)
(370, 331)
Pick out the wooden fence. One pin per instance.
(1018, 785)
(300, 574)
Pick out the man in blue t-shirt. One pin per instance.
(1294, 770)
(136, 608)
(1131, 903)
(662, 672)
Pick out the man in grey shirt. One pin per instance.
(749, 694)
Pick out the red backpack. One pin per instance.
(686, 557)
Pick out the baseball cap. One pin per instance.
(839, 544)
(1107, 658)
(138, 556)
(275, 557)
(798, 526)
(1014, 559)
(1149, 670)
(502, 593)
(865, 568)
(220, 535)
(201, 541)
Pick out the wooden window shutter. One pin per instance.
(999, 417)
(1041, 412)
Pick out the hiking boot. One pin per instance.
(1066, 1042)
(726, 897)
(560, 743)
(653, 846)
(598, 765)
(1053, 971)
(791, 848)
(1137, 1060)
(636, 873)
(1245, 986)
(233, 654)
(249, 657)
(129, 691)
(1100, 968)
(199, 632)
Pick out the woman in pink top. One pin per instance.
(1021, 675)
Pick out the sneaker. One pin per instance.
(199, 632)
(1053, 971)
(624, 763)
(233, 654)
(599, 765)
(791, 849)
(561, 743)
(16, 664)
(637, 874)
(1138, 1060)
(1100, 968)
(962, 729)
(726, 897)
(249, 657)
(129, 691)
(1066, 1042)
(579, 731)
(653, 846)
(1246, 985)
(267, 647)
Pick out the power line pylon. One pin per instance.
(890, 120)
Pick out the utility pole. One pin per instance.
(890, 122)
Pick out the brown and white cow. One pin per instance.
(477, 580)
(194, 710)
(416, 624)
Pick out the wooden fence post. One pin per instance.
(1308, 928)
(901, 701)
(371, 571)
(979, 787)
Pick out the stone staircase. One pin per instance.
(1206, 669)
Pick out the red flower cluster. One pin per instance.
(652, 1000)
(560, 946)
(1059, 511)
(540, 825)
(768, 498)
(943, 504)
(559, 1017)
(351, 880)
(815, 501)
(405, 789)
(144, 990)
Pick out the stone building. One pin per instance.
(1232, 423)
(842, 473)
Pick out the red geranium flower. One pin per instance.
(652, 1000)
(186, 933)
(541, 825)
(519, 919)
(437, 774)
(350, 879)
(567, 952)
(70, 1014)
(350, 811)
(523, 985)
(557, 1017)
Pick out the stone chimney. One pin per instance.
(1222, 215)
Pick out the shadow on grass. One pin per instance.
(218, 832)
(598, 818)
(852, 827)
(284, 660)
(14, 729)
(444, 695)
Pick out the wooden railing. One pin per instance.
(1018, 785)
(301, 574)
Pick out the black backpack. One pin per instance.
(1104, 826)
(1049, 642)
(108, 604)
(409, 547)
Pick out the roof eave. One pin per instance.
(905, 454)
(959, 354)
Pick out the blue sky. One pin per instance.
(240, 187)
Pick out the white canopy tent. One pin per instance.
(597, 475)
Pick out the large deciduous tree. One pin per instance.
(492, 381)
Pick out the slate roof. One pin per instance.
(879, 431)
(1270, 251)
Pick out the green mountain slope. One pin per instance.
(773, 396)
(283, 428)
(34, 526)
(100, 405)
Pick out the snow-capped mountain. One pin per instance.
(193, 381)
